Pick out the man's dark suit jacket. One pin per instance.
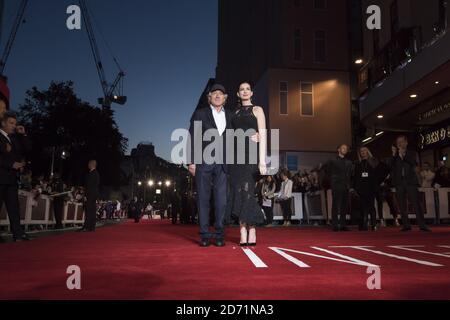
(92, 184)
(205, 116)
(20, 146)
(404, 170)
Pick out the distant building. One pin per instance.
(404, 84)
(297, 56)
(144, 166)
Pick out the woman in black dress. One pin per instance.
(244, 174)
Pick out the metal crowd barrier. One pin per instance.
(316, 206)
(296, 207)
(444, 199)
(434, 202)
(40, 211)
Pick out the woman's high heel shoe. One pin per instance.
(244, 237)
(252, 234)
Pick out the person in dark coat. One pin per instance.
(339, 171)
(58, 201)
(136, 210)
(365, 185)
(406, 183)
(92, 194)
(12, 149)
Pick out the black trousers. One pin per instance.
(340, 207)
(9, 194)
(411, 193)
(58, 211)
(174, 215)
(286, 209)
(367, 201)
(268, 211)
(90, 216)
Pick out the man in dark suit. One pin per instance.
(406, 182)
(210, 176)
(12, 149)
(92, 193)
(339, 171)
(58, 201)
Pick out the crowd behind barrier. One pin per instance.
(312, 198)
(37, 211)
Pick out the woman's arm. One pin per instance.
(262, 130)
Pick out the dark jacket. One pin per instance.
(19, 146)
(92, 184)
(365, 176)
(205, 116)
(403, 171)
(339, 171)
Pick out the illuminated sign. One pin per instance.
(436, 136)
(434, 112)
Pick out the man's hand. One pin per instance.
(18, 165)
(21, 130)
(192, 168)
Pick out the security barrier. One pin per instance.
(40, 211)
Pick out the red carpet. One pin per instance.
(155, 260)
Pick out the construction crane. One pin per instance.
(111, 93)
(12, 37)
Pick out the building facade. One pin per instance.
(296, 54)
(405, 83)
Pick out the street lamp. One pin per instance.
(168, 183)
(139, 183)
(159, 183)
(151, 183)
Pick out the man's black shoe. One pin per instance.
(406, 229)
(220, 243)
(336, 229)
(204, 243)
(425, 229)
(345, 229)
(22, 238)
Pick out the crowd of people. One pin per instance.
(355, 186)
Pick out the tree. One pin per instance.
(57, 118)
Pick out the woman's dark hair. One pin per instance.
(239, 102)
(272, 182)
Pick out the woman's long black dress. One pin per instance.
(244, 176)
